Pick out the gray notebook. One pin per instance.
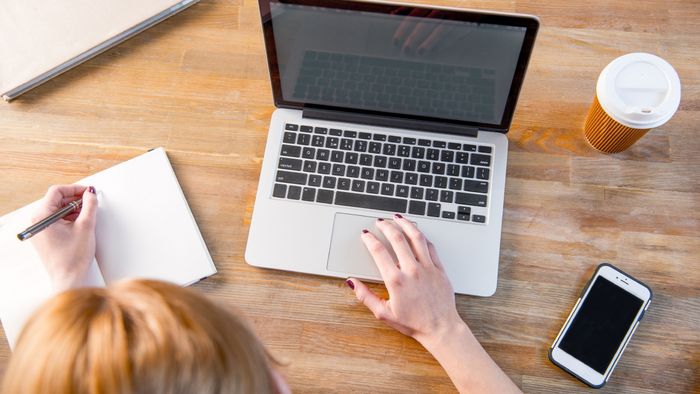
(42, 39)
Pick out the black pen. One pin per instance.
(73, 206)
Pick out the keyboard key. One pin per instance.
(423, 166)
(393, 138)
(350, 134)
(323, 154)
(426, 180)
(401, 191)
(448, 215)
(324, 168)
(324, 196)
(467, 172)
(478, 200)
(289, 138)
(476, 186)
(291, 127)
(416, 208)
(309, 194)
(418, 152)
(452, 170)
(360, 146)
(396, 177)
(455, 184)
(439, 144)
(389, 149)
(440, 182)
(395, 163)
(308, 153)
(485, 149)
(291, 151)
(318, 140)
(303, 139)
(365, 159)
(298, 178)
(469, 147)
(351, 158)
(382, 175)
(371, 202)
(423, 142)
(404, 151)
(329, 182)
(353, 172)
(432, 194)
(332, 142)
(409, 140)
(478, 218)
(306, 129)
(480, 160)
(454, 146)
(438, 168)
(309, 166)
(367, 173)
(447, 156)
(338, 169)
(409, 165)
(358, 185)
(315, 180)
(446, 196)
(290, 164)
(373, 187)
(379, 137)
(279, 191)
(380, 161)
(346, 144)
(320, 130)
(337, 156)
(344, 183)
(482, 173)
(411, 178)
(375, 147)
(387, 189)
(336, 132)
(365, 136)
(434, 209)
(462, 158)
(294, 192)
(433, 154)
(465, 210)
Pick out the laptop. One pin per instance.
(383, 109)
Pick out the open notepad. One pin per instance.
(144, 230)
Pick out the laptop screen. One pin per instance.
(407, 61)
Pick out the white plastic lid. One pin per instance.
(639, 90)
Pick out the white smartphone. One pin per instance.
(605, 317)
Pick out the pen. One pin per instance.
(49, 220)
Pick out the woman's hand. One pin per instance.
(67, 247)
(421, 301)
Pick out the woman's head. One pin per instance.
(137, 336)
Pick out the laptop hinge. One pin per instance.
(388, 121)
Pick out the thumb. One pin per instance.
(88, 211)
(367, 297)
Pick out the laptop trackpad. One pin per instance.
(348, 253)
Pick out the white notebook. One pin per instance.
(43, 38)
(144, 230)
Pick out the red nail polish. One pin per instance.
(397, 215)
(365, 231)
(380, 220)
(350, 284)
(91, 189)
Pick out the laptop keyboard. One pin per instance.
(424, 177)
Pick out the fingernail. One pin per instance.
(380, 220)
(398, 216)
(350, 284)
(365, 231)
(91, 189)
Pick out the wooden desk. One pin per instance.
(198, 85)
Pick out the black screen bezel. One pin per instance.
(529, 22)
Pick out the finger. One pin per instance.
(417, 240)
(87, 217)
(407, 26)
(366, 296)
(434, 256)
(57, 193)
(431, 41)
(421, 32)
(381, 256)
(398, 241)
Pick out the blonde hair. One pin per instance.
(137, 337)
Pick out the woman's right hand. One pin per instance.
(421, 300)
(67, 247)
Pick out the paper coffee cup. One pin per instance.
(635, 93)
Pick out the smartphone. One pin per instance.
(603, 320)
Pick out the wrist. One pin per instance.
(444, 334)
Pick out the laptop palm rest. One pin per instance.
(348, 253)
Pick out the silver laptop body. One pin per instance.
(369, 124)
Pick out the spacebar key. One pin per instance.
(371, 202)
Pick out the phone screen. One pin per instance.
(600, 325)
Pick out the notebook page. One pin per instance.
(24, 283)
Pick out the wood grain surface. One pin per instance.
(198, 85)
